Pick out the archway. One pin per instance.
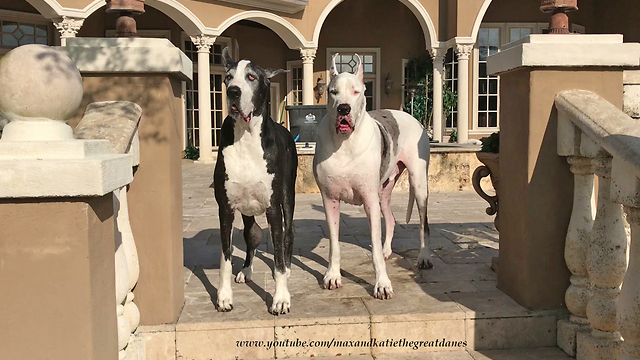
(428, 28)
(186, 19)
(285, 30)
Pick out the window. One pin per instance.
(488, 94)
(294, 79)
(516, 33)
(451, 82)
(347, 61)
(216, 91)
(17, 28)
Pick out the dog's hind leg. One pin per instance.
(253, 238)
(332, 278)
(385, 206)
(225, 294)
(419, 184)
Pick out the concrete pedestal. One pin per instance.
(57, 279)
(536, 186)
(150, 73)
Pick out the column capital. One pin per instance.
(68, 26)
(463, 51)
(438, 54)
(203, 42)
(308, 55)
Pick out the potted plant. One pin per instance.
(489, 156)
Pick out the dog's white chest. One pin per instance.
(248, 183)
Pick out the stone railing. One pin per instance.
(117, 121)
(599, 140)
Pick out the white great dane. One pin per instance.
(359, 157)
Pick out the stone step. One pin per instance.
(469, 313)
(545, 353)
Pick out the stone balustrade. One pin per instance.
(600, 140)
(117, 121)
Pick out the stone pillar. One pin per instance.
(438, 54)
(150, 74)
(56, 202)
(68, 28)
(536, 185)
(307, 75)
(463, 52)
(204, 43)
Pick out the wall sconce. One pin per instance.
(320, 84)
(388, 85)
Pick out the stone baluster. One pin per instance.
(606, 266)
(625, 189)
(576, 246)
(629, 302)
(122, 279)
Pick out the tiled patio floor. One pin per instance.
(457, 300)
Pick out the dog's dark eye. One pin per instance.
(228, 78)
(333, 92)
(251, 77)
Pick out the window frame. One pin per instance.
(291, 65)
(29, 18)
(360, 51)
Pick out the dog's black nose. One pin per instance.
(233, 92)
(344, 109)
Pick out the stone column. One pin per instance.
(536, 185)
(463, 52)
(438, 54)
(204, 43)
(307, 75)
(56, 202)
(68, 28)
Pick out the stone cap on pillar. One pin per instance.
(128, 55)
(38, 156)
(560, 50)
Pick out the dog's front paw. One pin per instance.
(383, 289)
(244, 275)
(424, 260)
(281, 302)
(332, 279)
(225, 299)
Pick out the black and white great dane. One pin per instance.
(255, 174)
(359, 157)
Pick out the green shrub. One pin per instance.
(491, 144)
(420, 71)
(191, 152)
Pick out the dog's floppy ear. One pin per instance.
(227, 60)
(334, 69)
(359, 70)
(269, 73)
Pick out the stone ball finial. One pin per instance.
(39, 84)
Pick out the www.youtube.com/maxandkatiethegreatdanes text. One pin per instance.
(373, 342)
